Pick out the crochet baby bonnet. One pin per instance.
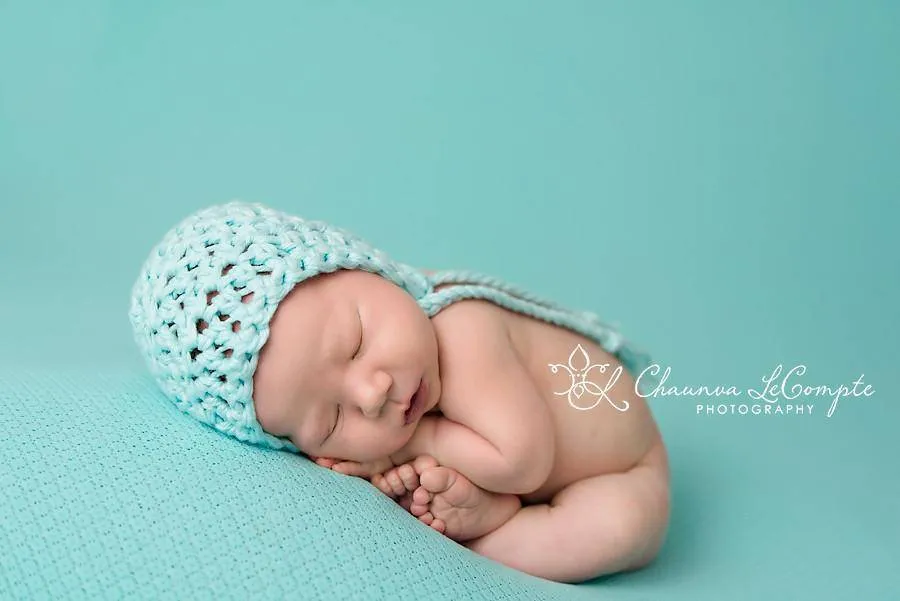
(201, 305)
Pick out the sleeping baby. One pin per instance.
(446, 389)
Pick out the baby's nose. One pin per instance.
(372, 394)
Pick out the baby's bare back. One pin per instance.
(589, 442)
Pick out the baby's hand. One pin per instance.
(403, 479)
(354, 468)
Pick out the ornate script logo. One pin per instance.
(578, 369)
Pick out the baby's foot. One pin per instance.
(401, 481)
(448, 502)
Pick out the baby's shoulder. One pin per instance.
(473, 334)
(471, 325)
(474, 346)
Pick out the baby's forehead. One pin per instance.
(346, 286)
(331, 301)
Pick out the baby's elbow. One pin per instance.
(530, 478)
(533, 463)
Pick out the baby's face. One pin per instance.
(345, 355)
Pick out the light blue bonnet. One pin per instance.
(188, 298)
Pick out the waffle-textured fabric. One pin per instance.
(108, 491)
(203, 300)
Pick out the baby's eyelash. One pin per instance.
(359, 345)
(337, 418)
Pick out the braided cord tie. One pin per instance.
(473, 285)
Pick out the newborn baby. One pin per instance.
(354, 369)
(438, 387)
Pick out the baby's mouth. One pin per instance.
(415, 404)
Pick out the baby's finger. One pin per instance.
(408, 477)
(324, 461)
(350, 468)
(381, 484)
(394, 482)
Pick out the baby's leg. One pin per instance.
(595, 526)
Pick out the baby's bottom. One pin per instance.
(596, 526)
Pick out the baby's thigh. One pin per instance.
(617, 520)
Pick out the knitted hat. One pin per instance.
(195, 322)
(202, 303)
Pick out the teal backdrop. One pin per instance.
(720, 180)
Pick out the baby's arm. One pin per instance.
(496, 429)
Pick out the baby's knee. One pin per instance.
(645, 523)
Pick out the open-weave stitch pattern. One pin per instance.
(202, 303)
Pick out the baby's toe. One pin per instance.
(422, 496)
(423, 462)
(436, 523)
(417, 509)
(437, 479)
(439, 525)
